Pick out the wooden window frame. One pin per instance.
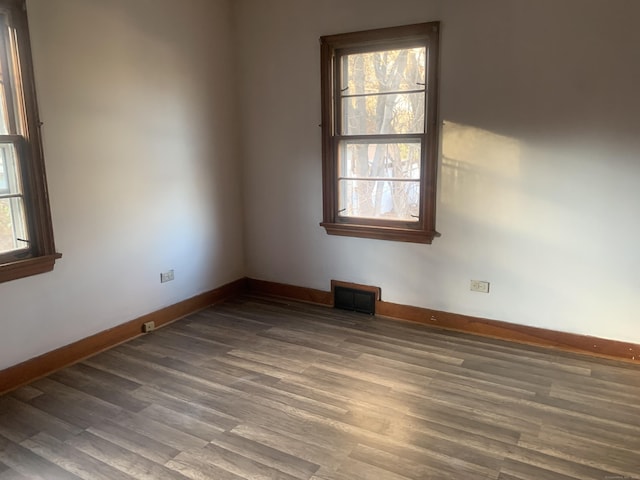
(332, 46)
(40, 255)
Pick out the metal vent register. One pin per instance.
(354, 300)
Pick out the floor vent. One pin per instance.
(354, 300)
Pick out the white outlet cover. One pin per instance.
(479, 286)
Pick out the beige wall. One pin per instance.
(539, 182)
(538, 187)
(137, 98)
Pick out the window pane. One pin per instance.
(6, 76)
(383, 114)
(4, 179)
(9, 170)
(13, 229)
(358, 159)
(13, 225)
(385, 199)
(4, 117)
(384, 71)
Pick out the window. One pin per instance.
(380, 132)
(26, 233)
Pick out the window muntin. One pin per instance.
(26, 233)
(380, 132)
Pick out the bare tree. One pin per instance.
(384, 76)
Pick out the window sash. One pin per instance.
(13, 198)
(394, 200)
(339, 134)
(371, 84)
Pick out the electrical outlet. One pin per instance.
(479, 286)
(148, 327)
(166, 276)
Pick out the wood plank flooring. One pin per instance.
(263, 389)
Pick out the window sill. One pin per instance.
(380, 233)
(28, 267)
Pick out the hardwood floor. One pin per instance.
(263, 389)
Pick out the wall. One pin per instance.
(540, 174)
(137, 100)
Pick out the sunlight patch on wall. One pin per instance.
(478, 170)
